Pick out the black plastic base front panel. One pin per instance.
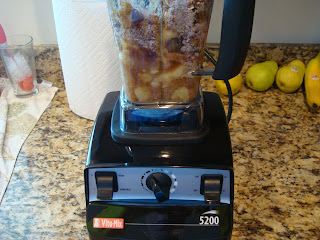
(144, 219)
(175, 222)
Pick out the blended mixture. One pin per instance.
(160, 43)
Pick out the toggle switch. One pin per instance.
(211, 187)
(106, 185)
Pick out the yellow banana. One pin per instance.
(235, 84)
(312, 82)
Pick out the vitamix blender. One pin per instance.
(159, 162)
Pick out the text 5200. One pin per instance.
(209, 220)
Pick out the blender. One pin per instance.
(159, 163)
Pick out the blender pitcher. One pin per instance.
(161, 44)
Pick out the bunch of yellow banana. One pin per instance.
(312, 82)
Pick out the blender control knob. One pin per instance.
(160, 184)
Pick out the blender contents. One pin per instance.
(160, 43)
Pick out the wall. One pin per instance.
(32, 17)
(280, 21)
(277, 21)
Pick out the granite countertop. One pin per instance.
(276, 149)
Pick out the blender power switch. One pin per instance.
(106, 185)
(211, 187)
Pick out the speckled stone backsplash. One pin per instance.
(276, 150)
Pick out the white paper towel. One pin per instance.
(89, 58)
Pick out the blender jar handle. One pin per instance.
(235, 38)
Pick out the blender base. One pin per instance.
(120, 205)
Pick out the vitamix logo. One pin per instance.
(113, 223)
(209, 218)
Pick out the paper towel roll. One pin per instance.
(89, 58)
